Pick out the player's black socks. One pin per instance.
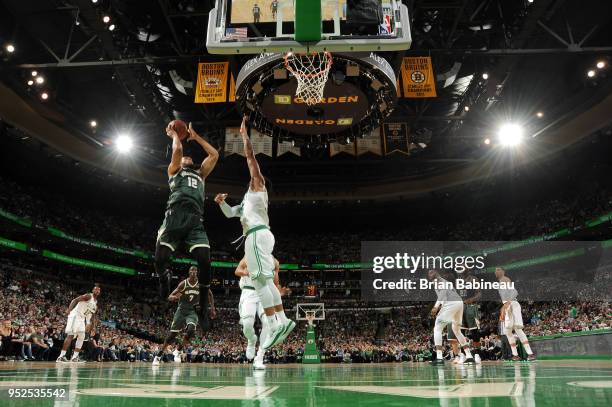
(204, 305)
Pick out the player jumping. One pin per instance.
(250, 305)
(183, 222)
(511, 317)
(81, 311)
(447, 310)
(258, 246)
(187, 294)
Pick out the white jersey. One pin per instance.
(508, 294)
(248, 290)
(254, 210)
(446, 295)
(85, 309)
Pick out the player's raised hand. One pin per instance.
(170, 132)
(220, 198)
(243, 131)
(192, 133)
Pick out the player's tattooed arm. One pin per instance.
(73, 303)
(228, 211)
(213, 155)
(177, 152)
(176, 294)
(257, 180)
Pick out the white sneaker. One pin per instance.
(62, 359)
(274, 336)
(477, 359)
(250, 351)
(177, 356)
(258, 364)
(76, 359)
(456, 360)
(461, 359)
(156, 360)
(289, 327)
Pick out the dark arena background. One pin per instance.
(475, 132)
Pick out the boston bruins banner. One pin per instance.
(418, 77)
(337, 148)
(370, 143)
(233, 141)
(212, 82)
(261, 144)
(287, 147)
(396, 138)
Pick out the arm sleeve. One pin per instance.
(230, 211)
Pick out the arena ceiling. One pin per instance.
(137, 78)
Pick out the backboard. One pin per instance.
(275, 26)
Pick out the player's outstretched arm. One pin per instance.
(176, 294)
(258, 183)
(177, 152)
(228, 211)
(213, 155)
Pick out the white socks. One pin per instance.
(281, 316)
(62, 354)
(438, 354)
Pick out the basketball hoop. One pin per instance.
(311, 72)
(310, 317)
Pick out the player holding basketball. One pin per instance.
(258, 246)
(447, 310)
(187, 294)
(248, 307)
(183, 222)
(470, 324)
(81, 310)
(511, 317)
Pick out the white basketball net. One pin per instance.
(310, 317)
(311, 72)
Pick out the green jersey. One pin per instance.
(187, 188)
(191, 295)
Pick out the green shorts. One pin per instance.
(182, 318)
(470, 320)
(182, 225)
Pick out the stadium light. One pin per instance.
(106, 19)
(510, 134)
(601, 64)
(111, 27)
(94, 1)
(30, 82)
(44, 96)
(40, 80)
(485, 76)
(124, 143)
(591, 73)
(93, 123)
(10, 48)
(34, 73)
(487, 141)
(540, 114)
(466, 108)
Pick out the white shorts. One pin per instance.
(249, 306)
(451, 311)
(514, 316)
(75, 325)
(258, 248)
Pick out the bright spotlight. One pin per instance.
(591, 73)
(487, 141)
(601, 64)
(510, 134)
(124, 143)
(540, 114)
(34, 73)
(44, 96)
(10, 48)
(466, 108)
(93, 123)
(106, 19)
(94, 1)
(30, 82)
(40, 80)
(111, 27)
(485, 76)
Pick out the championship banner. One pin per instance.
(370, 143)
(287, 147)
(262, 144)
(212, 82)
(337, 148)
(418, 77)
(396, 138)
(233, 141)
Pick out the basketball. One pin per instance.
(180, 127)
